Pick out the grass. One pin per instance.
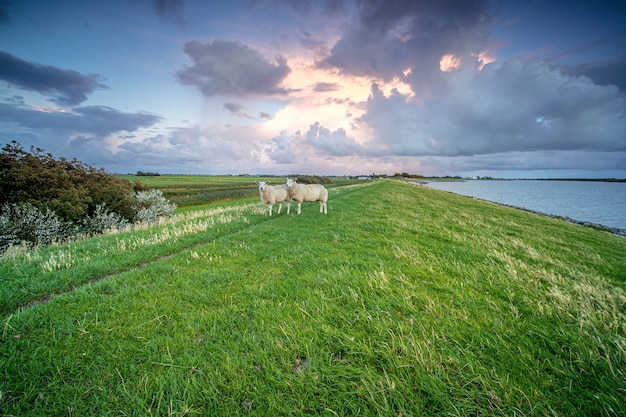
(192, 190)
(402, 301)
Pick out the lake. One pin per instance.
(589, 201)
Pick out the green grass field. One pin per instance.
(189, 190)
(192, 190)
(402, 301)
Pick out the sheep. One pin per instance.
(308, 192)
(271, 194)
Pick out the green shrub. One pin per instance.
(71, 189)
(44, 200)
(313, 179)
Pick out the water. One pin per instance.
(589, 201)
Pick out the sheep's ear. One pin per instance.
(267, 182)
(257, 182)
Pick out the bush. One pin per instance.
(71, 189)
(102, 220)
(313, 179)
(151, 205)
(26, 223)
(44, 200)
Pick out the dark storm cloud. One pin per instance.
(468, 109)
(107, 120)
(64, 87)
(313, 43)
(393, 36)
(611, 72)
(170, 10)
(511, 106)
(230, 68)
(98, 121)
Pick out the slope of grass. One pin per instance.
(401, 301)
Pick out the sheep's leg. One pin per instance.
(323, 208)
(299, 205)
(288, 206)
(280, 206)
(270, 208)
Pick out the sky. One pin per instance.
(507, 89)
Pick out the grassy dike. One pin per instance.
(402, 301)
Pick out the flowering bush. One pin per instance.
(102, 220)
(151, 205)
(26, 223)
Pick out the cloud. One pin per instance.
(313, 43)
(335, 143)
(105, 120)
(325, 87)
(170, 10)
(610, 72)
(233, 107)
(317, 144)
(236, 110)
(64, 87)
(406, 39)
(96, 121)
(230, 68)
(535, 164)
(89, 133)
(195, 149)
(509, 106)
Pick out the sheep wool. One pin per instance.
(308, 193)
(272, 194)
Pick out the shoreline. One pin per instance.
(614, 230)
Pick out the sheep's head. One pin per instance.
(290, 183)
(262, 185)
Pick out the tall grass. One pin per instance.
(401, 301)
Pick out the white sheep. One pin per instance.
(308, 192)
(271, 194)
